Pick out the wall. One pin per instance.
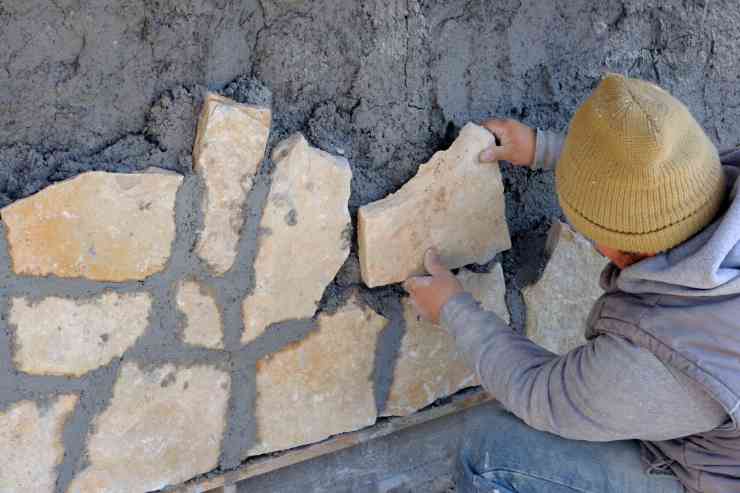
(118, 86)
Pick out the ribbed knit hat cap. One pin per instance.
(637, 173)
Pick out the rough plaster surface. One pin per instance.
(559, 303)
(29, 431)
(117, 85)
(454, 203)
(59, 336)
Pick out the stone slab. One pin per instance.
(203, 324)
(229, 147)
(100, 226)
(306, 235)
(31, 438)
(320, 386)
(63, 336)
(454, 203)
(162, 427)
(429, 366)
(559, 303)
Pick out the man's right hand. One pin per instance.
(518, 143)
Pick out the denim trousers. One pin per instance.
(504, 455)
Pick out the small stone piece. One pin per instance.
(306, 235)
(161, 428)
(454, 203)
(429, 366)
(63, 336)
(229, 147)
(100, 226)
(203, 326)
(320, 386)
(32, 447)
(559, 303)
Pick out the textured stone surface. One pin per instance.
(101, 226)
(429, 366)
(31, 439)
(454, 203)
(559, 303)
(229, 146)
(306, 235)
(62, 336)
(203, 325)
(320, 386)
(162, 427)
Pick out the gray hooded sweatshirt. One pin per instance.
(662, 361)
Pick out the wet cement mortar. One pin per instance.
(117, 86)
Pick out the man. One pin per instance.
(651, 402)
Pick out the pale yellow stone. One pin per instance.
(429, 366)
(229, 146)
(559, 303)
(306, 235)
(31, 438)
(454, 203)
(203, 326)
(320, 386)
(100, 226)
(63, 336)
(162, 427)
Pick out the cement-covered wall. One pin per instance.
(118, 86)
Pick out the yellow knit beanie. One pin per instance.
(637, 173)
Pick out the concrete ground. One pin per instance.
(418, 459)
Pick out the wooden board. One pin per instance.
(262, 465)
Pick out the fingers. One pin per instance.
(501, 129)
(433, 263)
(413, 283)
(496, 127)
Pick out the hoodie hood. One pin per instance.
(707, 264)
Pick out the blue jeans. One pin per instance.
(507, 456)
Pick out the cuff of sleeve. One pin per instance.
(547, 149)
(454, 307)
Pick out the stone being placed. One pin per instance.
(163, 426)
(320, 386)
(63, 336)
(31, 438)
(454, 203)
(203, 325)
(229, 146)
(100, 226)
(429, 366)
(306, 235)
(559, 303)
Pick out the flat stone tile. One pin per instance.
(203, 324)
(100, 226)
(320, 386)
(64, 336)
(454, 203)
(162, 427)
(559, 303)
(229, 147)
(306, 235)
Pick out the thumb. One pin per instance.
(433, 263)
(493, 153)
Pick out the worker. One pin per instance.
(651, 402)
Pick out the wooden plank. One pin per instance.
(262, 465)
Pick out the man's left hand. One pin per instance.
(429, 294)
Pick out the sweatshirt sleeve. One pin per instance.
(547, 149)
(608, 389)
